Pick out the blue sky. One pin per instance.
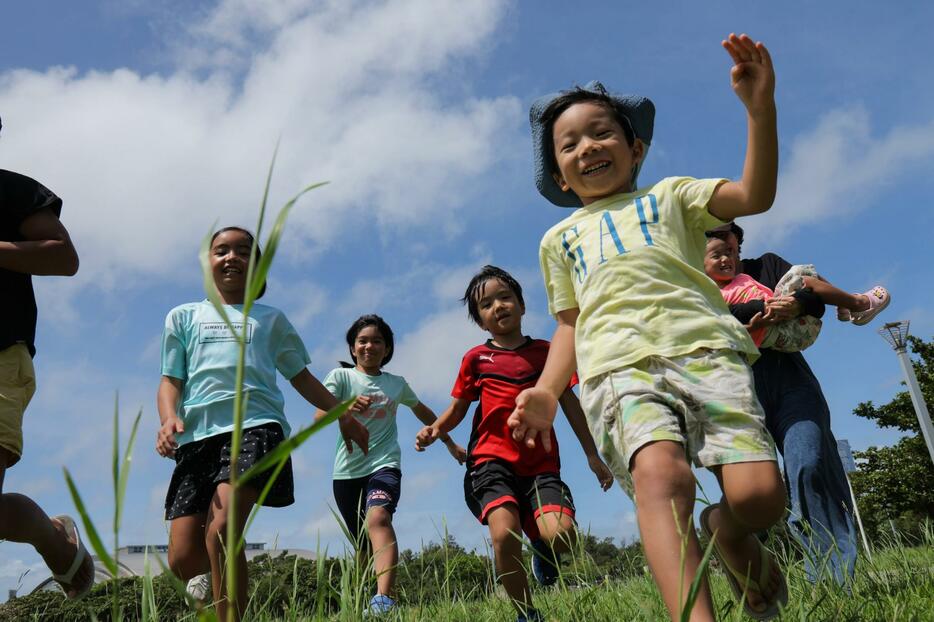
(155, 120)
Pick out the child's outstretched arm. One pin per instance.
(575, 415)
(753, 79)
(536, 407)
(318, 395)
(436, 427)
(170, 392)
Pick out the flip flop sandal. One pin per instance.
(740, 584)
(879, 299)
(81, 554)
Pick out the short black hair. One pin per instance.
(575, 96)
(371, 319)
(721, 233)
(259, 252)
(476, 285)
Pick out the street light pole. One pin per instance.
(896, 334)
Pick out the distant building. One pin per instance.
(133, 559)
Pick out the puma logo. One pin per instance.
(486, 357)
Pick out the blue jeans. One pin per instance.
(821, 508)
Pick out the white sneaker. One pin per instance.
(199, 587)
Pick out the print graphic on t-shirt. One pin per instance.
(379, 407)
(487, 357)
(215, 332)
(611, 238)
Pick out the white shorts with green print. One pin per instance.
(705, 400)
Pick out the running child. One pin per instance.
(508, 486)
(720, 264)
(33, 241)
(663, 364)
(195, 401)
(367, 486)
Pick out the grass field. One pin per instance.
(898, 585)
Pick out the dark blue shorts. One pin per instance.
(354, 497)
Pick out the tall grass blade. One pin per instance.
(286, 447)
(89, 528)
(124, 476)
(258, 278)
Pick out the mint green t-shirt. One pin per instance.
(198, 348)
(387, 391)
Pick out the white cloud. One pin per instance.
(146, 163)
(838, 169)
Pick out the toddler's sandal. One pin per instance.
(879, 299)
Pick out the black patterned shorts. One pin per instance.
(202, 465)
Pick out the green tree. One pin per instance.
(897, 483)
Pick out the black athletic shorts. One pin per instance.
(201, 465)
(491, 484)
(354, 497)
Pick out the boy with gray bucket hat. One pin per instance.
(663, 366)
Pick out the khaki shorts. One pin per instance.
(17, 384)
(705, 400)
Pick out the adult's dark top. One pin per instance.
(768, 270)
(20, 198)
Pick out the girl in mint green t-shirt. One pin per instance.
(195, 401)
(367, 486)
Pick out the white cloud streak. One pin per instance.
(839, 169)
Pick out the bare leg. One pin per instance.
(21, 520)
(505, 529)
(837, 297)
(188, 556)
(753, 500)
(558, 530)
(215, 535)
(664, 486)
(385, 549)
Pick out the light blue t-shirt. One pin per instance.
(198, 348)
(387, 391)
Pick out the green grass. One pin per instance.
(455, 585)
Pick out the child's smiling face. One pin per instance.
(719, 261)
(230, 256)
(369, 349)
(593, 156)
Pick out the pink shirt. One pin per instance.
(744, 288)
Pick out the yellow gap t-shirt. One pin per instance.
(633, 264)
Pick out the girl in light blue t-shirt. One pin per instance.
(195, 400)
(367, 486)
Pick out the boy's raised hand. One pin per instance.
(752, 76)
(534, 414)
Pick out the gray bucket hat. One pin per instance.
(640, 111)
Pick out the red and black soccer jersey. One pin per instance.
(496, 376)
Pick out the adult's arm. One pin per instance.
(46, 248)
(768, 270)
(744, 311)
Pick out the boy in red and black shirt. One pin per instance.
(509, 486)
